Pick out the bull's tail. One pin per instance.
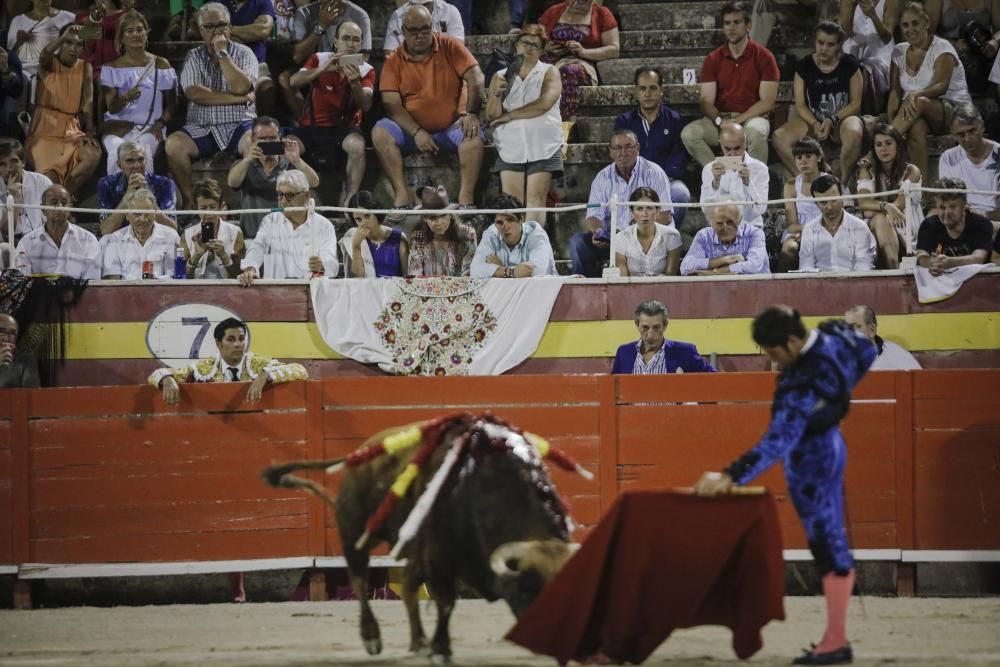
(281, 476)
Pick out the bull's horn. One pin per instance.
(545, 556)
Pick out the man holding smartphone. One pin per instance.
(737, 175)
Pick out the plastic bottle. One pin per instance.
(180, 265)
(21, 263)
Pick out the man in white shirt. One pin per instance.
(25, 186)
(292, 244)
(976, 160)
(60, 247)
(891, 357)
(445, 19)
(513, 247)
(144, 240)
(736, 175)
(837, 240)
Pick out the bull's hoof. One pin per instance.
(440, 659)
(373, 646)
(420, 647)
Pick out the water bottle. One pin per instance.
(21, 263)
(180, 265)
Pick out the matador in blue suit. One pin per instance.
(820, 368)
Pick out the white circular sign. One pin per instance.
(180, 334)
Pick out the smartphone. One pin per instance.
(731, 162)
(351, 59)
(207, 232)
(272, 147)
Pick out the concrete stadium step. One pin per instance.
(672, 16)
(606, 99)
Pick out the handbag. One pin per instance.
(119, 128)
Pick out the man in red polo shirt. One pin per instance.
(432, 90)
(739, 82)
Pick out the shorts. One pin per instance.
(324, 143)
(447, 139)
(207, 145)
(552, 164)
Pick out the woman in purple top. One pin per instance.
(375, 250)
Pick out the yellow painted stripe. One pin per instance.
(301, 340)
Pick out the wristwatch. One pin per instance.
(319, 30)
(718, 121)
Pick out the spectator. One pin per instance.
(284, 24)
(432, 90)
(111, 190)
(828, 88)
(218, 80)
(56, 145)
(11, 87)
(955, 236)
(658, 129)
(513, 247)
(653, 354)
(29, 33)
(974, 160)
(515, 8)
(973, 28)
(727, 245)
(102, 18)
(292, 244)
(61, 247)
(869, 25)
(884, 170)
(737, 175)
(835, 241)
(650, 249)
(626, 173)
(891, 357)
(316, 27)
(810, 165)
(142, 241)
(26, 187)
(924, 102)
(139, 91)
(523, 110)
(739, 82)
(214, 248)
(256, 175)
(17, 369)
(338, 96)
(581, 34)
(179, 9)
(375, 250)
(440, 245)
(445, 19)
(251, 24)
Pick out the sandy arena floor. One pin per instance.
(900, 631)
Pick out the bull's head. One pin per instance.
(522, 569)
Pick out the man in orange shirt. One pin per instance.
(432, 89)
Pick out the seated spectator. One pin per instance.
(658, 130)
(653, 354)
(737, 175)
(627, 173)
(61, 247)
(26, 187)
(739, 83)
(218, 80)
(57, 145)
(440, 245)
(884, 170)
(144, 240)
(256, 175)
(515, 9)
(869, 25)
(974, 161)
(176, 31)
(111, 190)
(828, 87)
(650, 249)
(292, 244)
(338, 96)
(17, 369)
(102, 18)
(251, 24)
(837, 240)
(444, 20)
(973, 28)
(810, 165)
(727, 245)
(139, 91)
(432, 90)
(581, 34)
(955, 236)
(923, 103)
(214, 248)
(29, 33)
(12, 82)
(522, 108)
(891, 357)
(376, 250)
(513, 247)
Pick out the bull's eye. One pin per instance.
(512, 564)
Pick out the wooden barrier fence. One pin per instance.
(111, 475)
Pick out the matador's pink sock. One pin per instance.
(837, 591)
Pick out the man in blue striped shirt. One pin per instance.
(627, 173)
(728, 245)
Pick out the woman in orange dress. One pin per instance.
(57, 146)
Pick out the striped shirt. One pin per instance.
(749, 243)
(219, 120)
(609, 183)
(657, 363)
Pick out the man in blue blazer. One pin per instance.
(654, 354)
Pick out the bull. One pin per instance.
(495, 522)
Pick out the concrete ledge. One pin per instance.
(8, 569)
(942, 556)
(888, 555)
(75, 571)
(374, 561)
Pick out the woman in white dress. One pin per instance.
(869, 25)
(32, 31)
(139, 91)
(809, 162)
(648, 248)
(217, 257)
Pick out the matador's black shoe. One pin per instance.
(841, 656)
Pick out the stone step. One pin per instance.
(675, 16)
(606, 99)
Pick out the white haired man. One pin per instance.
(891, 357)
(728, 245)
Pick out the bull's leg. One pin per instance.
(412, 579)
(444, 592)
(357, 570)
